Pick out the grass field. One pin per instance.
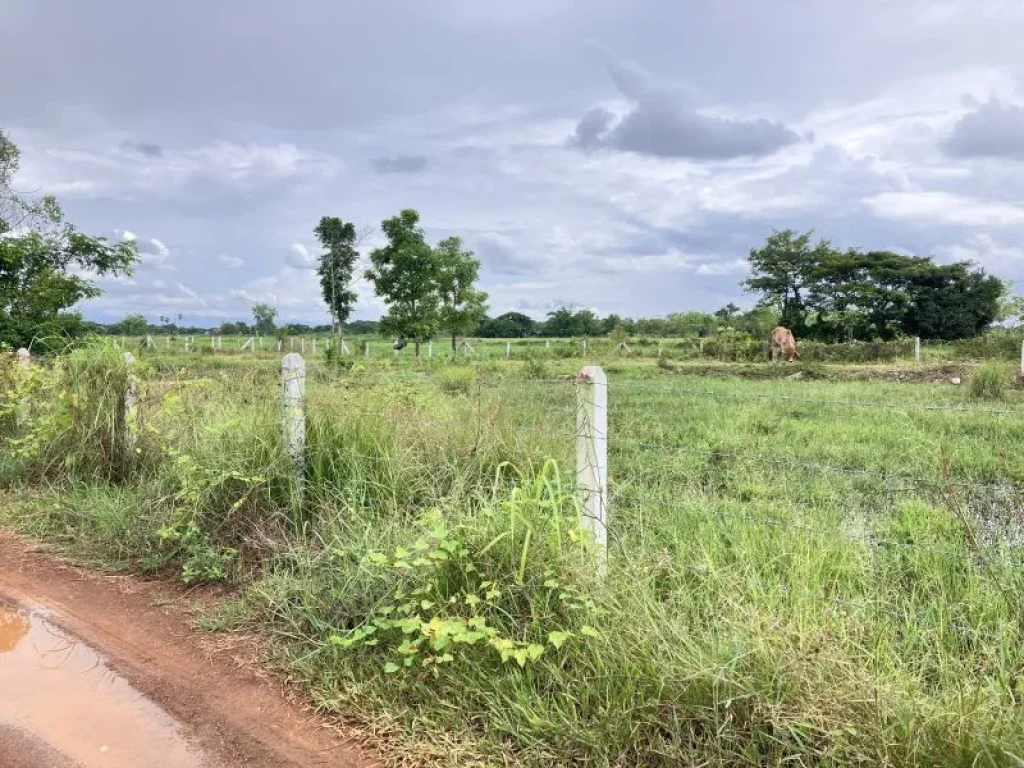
(812, 571)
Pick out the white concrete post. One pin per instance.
(592, 458)
(659, 347)
(280, 344)
(314, 345)
(344, 348)
(584, 347)
(213, 342)
(547, 344)
(261, 343)
(168, 344)
(302, 345)
(291, 343)
(508, 349)
(293, 394)
(366, 349)
(917, 348)
(700, 351)
(131, 413)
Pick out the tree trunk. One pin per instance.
(417, 347)
(453, 342)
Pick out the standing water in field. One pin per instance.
(60, 704)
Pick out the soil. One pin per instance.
(211, 691)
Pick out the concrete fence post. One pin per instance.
(508, 349)
(592, 458)
(131, 411)
(293, 395)
(700, 350)
(291, 343)
(584, 348)
(314, 345)
(302, 345)
(366, 349)
(547, 344)
(917, 349)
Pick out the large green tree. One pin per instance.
(45, 264)
(263, 315)
(511, 325)
(337, 267)
(780, 273)
(405, 276)
(462, 305)
(831, 295)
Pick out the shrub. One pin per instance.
(989, 382)
(535, 367)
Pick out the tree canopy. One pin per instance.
(405, 274)
(263, 315)
(462, 305)
(45, 264)
(828, 294)
(337, 266)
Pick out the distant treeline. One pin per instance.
(561, 323)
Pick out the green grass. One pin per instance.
(795, 575)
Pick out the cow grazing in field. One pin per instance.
(783, 344)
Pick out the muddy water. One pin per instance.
(60, 692)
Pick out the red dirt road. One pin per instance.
(142, 630)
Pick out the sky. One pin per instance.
(617, 155)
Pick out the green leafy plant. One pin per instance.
(989, 382)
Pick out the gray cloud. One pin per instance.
(142, 148)
(400, 164)
(993, 129)
(663, 123)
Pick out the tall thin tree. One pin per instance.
(337, 267)
(462, 306)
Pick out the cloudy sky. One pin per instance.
(622, 155)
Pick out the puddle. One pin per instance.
(58, 691)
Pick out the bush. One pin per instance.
(535, 367)
(989, 382)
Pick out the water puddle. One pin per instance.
(59, 691)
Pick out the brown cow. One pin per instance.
(783, 343)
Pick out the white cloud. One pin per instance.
(301, 258)
(230, 262)
(944, 208)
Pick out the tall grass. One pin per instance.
(790, 581)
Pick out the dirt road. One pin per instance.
(191, 702)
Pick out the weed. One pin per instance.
(989, 382)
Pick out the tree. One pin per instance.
(264, 315)
(134, 324)
(337, 265)
(832, 295)
(462, 305)
(780, 273)
(405, 275)
(727, 312)
(511, 325)
(45, 263)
